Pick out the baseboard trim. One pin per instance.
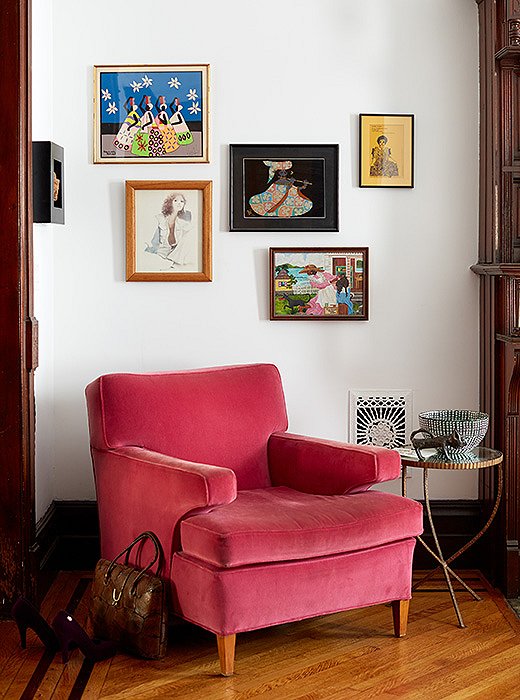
(67, 536)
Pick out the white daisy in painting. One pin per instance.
(174, 82)
(194, 108)
(136, 86)
(112, 109)
(146, 81)
(105, 94)
(192, 95)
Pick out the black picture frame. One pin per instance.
(48, 183)
(312, 178)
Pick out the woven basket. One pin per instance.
(472, 427)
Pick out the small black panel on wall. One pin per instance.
(48, 177)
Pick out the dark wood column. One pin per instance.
(18, 329)
(499, 270)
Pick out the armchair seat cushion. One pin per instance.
(281, 524)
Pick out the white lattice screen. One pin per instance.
(380, 418)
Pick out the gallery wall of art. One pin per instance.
(283, 73)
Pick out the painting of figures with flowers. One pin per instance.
(151, 114)
(319, 284)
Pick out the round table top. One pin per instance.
(477, 458)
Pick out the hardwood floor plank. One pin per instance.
(351, 655)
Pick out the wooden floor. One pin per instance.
(339, 657)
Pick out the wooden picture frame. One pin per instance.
(284, 188)
(386, 150)
(168, 230)
(318, 284)
(151, 114)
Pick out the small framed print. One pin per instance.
(386, 150)
(168, 231)
(318, 284)
(151, 114)
(284, 188)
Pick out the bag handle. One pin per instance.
(156, 558)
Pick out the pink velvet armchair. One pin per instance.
(258, 526)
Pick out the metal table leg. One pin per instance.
(440, 558)
(474, 539)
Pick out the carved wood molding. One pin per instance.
(512, 469)
(499, 270)
(16, 380)
(513, 9)
(514, 32)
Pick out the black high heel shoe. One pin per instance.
(71, 635)
(26, 615)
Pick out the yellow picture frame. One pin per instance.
(386, 150)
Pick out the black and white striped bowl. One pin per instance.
(472, 427)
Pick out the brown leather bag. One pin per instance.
(128, 604)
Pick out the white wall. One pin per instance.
(43, 238)
(297, 72)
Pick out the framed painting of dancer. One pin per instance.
(156, 114)
(168, 230)
(386, 150)
(318, 284)
(284, 188)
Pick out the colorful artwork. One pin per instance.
(386, 150)
(284, 188)
(151, 113)
(284, 194)
(168, 230)
(319, 284)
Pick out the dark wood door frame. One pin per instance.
(18, 328)
(499, 269)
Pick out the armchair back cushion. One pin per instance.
(220, 416)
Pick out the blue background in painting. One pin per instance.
(118, 85)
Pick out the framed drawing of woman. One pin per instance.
(168, 230)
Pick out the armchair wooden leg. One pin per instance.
(400, 615)
(226, 653)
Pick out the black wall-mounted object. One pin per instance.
(48, 179)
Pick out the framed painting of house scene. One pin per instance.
(284, 188)
(318, 284)
(156, 114)
(168, 230)
(386, 150)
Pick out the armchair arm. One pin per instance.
(138, 490)
(326, 467)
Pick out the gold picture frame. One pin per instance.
(386, 150)
(151, 114)
(168, 230)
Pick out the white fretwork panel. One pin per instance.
(381, 418)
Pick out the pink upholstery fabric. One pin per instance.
(280, 524)
(141, 490)
(226, 601)
(170, 451)
(328, 467)
(222, 416)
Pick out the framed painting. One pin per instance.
(386, 150)
(156, 114)
(318, 284)
(168, 231)
(284, 188)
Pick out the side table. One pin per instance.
(478, 458)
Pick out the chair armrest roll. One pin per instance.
(143, 490)
(313, 465)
